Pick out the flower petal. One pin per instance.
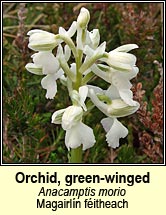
(97, 90)
(112, 92)
(67, 52)
(88, 51)
(118, 108)
(120, 61)
(47, 61)
(101, 49)
(126, 48)
(127, 96)
(107, 123)
(72, 29)
(100, 73)
(75, 136)
(95, 37)
(57, 116)
(100, 105)
(33, 68)
(41, 40)
(120, 81)
(117, 131)
(121, 57)
(62, 31)
(87, 140)
(83, 92)
(72, 138)
(50, 85)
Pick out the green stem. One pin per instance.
(87, 78)
(66, 69)
(78, 60)
(69, 42)
(75, 155)
(90, 62)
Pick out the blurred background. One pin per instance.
(29, 136)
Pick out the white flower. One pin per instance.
(47, 61)
(115, 130)
(112, 107)
(46, 64)
(40, 40)
(77, 133)
(83, 18)
(120, 81)
(124, 93)
(120, 60)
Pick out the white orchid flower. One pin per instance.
(112, 107)
(47, 61)
(71, 120)
(119, 59)
(46, 64)
(40, 40)
(120, 81)
(115, 130)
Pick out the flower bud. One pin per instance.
(83, 18)
(41, 40)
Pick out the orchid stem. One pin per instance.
(75, 155)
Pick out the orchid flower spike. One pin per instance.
(117, 67)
